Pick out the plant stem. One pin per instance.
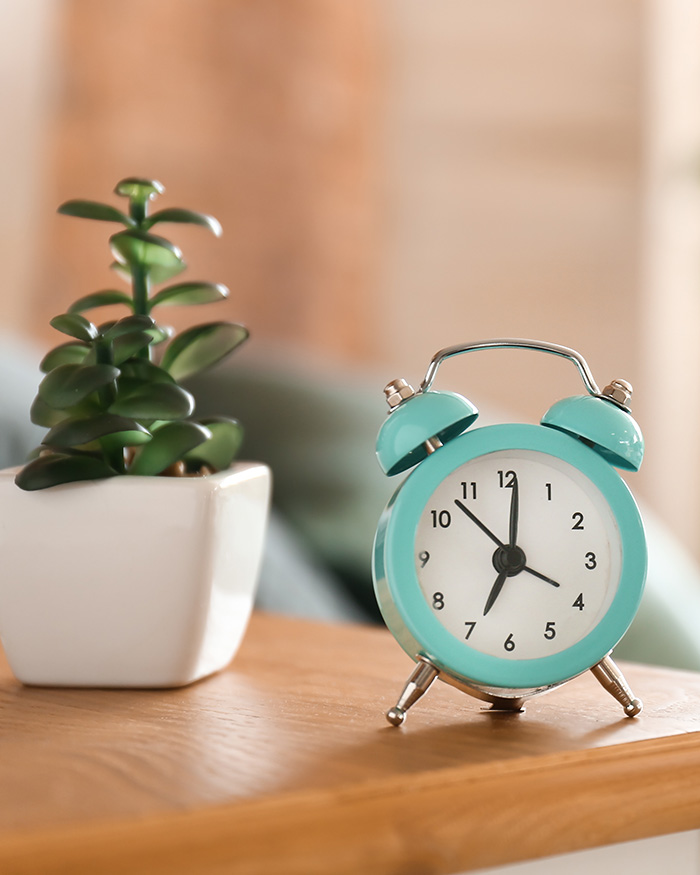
(138, 209)
(114, 457)
(140, 284)
(104, 355)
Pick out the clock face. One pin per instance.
(518, 554)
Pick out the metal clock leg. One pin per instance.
(419, 682)
(614, 682)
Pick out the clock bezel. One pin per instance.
(408, 614)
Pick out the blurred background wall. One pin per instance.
(393, 176)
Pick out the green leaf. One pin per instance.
(100, 299)
(170, 443)
(75, 325)
(126, 386)
(67, 385)
(220, 450)
(122, 270)
(126, 346)
(190, 293)
(70, 353)
(160, 258)
(138, 188)
(127, 325)
(201, 346)
(145, 372)
(155, 401)
(160, 333)
(161, 274)
(41, 414)
(76, 432)
(190, 217)
(55, 468)
(95, 210)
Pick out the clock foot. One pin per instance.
(421, 678)
(612, 679)
(507, 706)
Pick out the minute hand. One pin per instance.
(514, 511)
(475, 519)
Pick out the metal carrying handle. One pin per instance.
(512, 343)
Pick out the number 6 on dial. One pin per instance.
(513, 557)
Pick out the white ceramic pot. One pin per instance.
(131, 581)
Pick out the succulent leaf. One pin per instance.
(68, 385)
(139, 189)
(160, 258)
(190, 293)
(127, 325)
(76, 432)
(190, 217)
(55, 468)
(154, 401)
(74, 325)
(170, 443)
(201, 347)
(145, 372)
(41, 414)
(161, 333)
(161, 273)
(122, 270)
(71, 353)
(128, 345)
(84, 209)
(220, 450)
(100, 299)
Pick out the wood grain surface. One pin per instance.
(284, 762)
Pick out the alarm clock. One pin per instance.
(513, 557)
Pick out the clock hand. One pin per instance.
(475, 519)
(513, 530)
(500, 580)
(495, 590)
(514, 509)
(541, 576)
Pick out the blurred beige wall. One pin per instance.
(393, 177)
(28, 42)
(669, 295)
(515, 186)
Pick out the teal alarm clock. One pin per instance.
(513, 557)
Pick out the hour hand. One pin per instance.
(495, 591)
(541, 576)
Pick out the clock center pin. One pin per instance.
(510, 560)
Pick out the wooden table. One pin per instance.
(284, 764)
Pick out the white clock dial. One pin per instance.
(518, 554)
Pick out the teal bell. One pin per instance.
(415, 419)
(604, 425)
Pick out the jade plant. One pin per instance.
(111, 395)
